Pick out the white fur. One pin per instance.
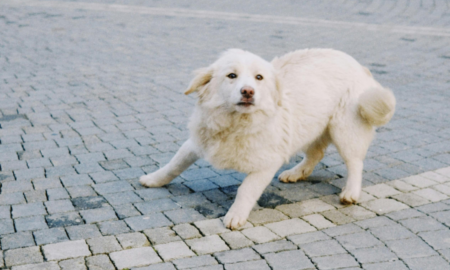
(306, 100)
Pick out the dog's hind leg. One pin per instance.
(184, 158)
(313, 155)
(352, 139)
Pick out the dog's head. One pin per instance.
(238, 81)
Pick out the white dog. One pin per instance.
(252, 116)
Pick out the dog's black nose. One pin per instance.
(247, 91)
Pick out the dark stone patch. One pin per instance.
(271, 200)
(445, 56)
(178, 189)
(324, 188)
(12, 117)
(230, 190)
(62, 220)
(84, 203)
(319, 176)
(210, 210)
(3, 177)
(362, 13)
(408, 39)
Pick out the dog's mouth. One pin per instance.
(246, 103)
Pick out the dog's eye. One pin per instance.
(259, 77)
(232, 76)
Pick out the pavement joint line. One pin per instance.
(204, 14)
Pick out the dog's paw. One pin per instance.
(152, 180)
(295, 174)
(350, 196)
(235, 219)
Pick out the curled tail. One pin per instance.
(377, 106)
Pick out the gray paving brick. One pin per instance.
(20, 256)
(76, 180)
(50, 236)
(134, 257)
(437, 239)
(30, 223)
(433, 262)
(391, 232)
(46, 183)
(358, 240)
(374, 255)
(186, 231)
(207, 245)
(132, 240)
(195, 262)
(161, 235)
(59, 206)
(99, 262)
(252, 265)
(17, 240)
(30, 209)
(153, 193)
(16, 186)
(75, 264)
(335, 261)
(98, 215)
(156, 206)
(112, 187)
(81, 191)
(126, 210)
(11, 198)
(174, 250)
(83, 232)
(184, 216)
(105, 244)
(113, 227)
(6, 226)
(422, 224)
(28, 174)
(322, 248)
(66, 250)
(140, 223)
(386, 265)
(234, 256)
(294, 259)
(410, 248)
(60, 171)
(103, 177)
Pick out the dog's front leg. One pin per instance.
(184, 158)
(248, 193)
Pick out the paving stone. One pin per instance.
(112, 187)
(35, 196)
(405, 214)
(357, 212)
(134, 257)
(358, 240)
(98, 215)
(132, 240)
(318, 221)
(64, 219)
(236, 240)
(28, 174)
(113, 227)
(16, 186)
(29, 209)
(290, 227)
(375, 222)
(158, 266)
(81, 191)
(6, 226)
(126, 210)
(212, 226)
(190, 200)
(419, 181)
(17, 240)
(186, 231)
(260, 235)
(30, 223)
(20, 256)
(207, 244)
(252, 265)
(422, 224)
(293, 259)
(304, 208)
(103, 177)
(308, 237)
(11, 198)
(211, 210)
(437, 239)
(50, 236)
(265, 216)
(433, 263)
(141, 223)
(335, 261)
(195, 262)
(153, 193)
(38, 266)
(59, 206)
(105, 244)
(391, 232)
(337, 217)
(235, 256)
(174, 250)
(383, 206)
(276, 246)
(322, 248)
(373, 255)
(430, 194)
(410, 248)
(381, 190)
(66, 250)
(99, 262)
(57, 194)
(82, 232)
(184, 216)
(5, 212)
(85, 203)
(162, 235)
(401, 186)
(156, 206)
(386, 265)
(73, 264)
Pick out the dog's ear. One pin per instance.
(202, 77)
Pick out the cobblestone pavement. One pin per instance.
(91, 98)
